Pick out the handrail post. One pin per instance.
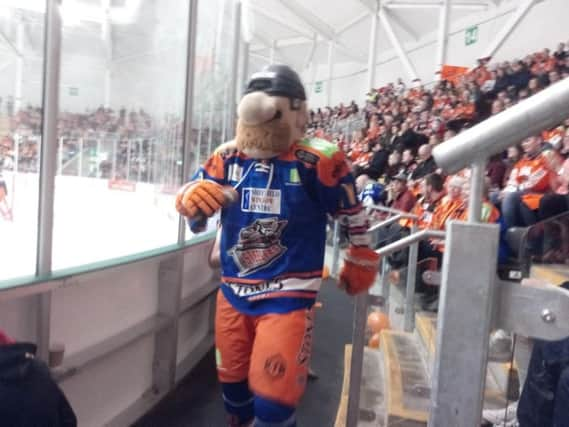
(357, 360)
(476, 191)
(385, 287)
(464, 323)
(409, 321)
(336, 248)
(48, 168)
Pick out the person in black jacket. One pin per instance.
(378, 163)
(426, 163)
(29, 397)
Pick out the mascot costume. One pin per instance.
(274, 189)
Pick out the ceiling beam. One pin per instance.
(310, 55)
(311, 20)
(282, 22)
(321, 28)
(371, 7)
(350, 24)
(409, 4)
(509, 27)
(402, 24)
(403, 57)
(272, 46)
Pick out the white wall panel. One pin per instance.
(18, 318)
(103, 390)
(103, 305)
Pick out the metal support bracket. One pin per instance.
(533, 311)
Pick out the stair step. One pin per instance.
(555, 274)
(497, 375)
(372, 398)
(406, 381)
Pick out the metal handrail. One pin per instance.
(409, 240)
(386, 209)
(385, 223)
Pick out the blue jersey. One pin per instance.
(372, 194)
(273, 239)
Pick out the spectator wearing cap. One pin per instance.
(401, 198)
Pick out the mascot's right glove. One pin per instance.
(203, 198)
(360, 269)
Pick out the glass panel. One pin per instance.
(120, 128)
(21, 68)
(214, 55)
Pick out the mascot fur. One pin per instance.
(274, 189)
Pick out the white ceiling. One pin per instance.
(273, 20)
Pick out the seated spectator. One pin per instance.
(28, 395)
(425, 163)
(452, 206)
(378, 162)
(408, 162)
(370, 192)
(495, 171)
(400, 197)
(394, 166)
(529, 180)
(545, 393)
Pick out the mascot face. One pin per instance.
(272, 114)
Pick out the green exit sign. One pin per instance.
(318, 86)
(471, 35)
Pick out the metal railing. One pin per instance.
(468, 313)
(364, 300)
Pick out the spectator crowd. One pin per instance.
(391, 154)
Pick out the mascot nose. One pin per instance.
(257, 108)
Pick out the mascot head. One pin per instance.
(272, 113)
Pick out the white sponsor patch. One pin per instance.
(235, 173)
(259, 200)
(277, 285)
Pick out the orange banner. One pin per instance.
(453, 73)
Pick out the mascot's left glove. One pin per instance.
(360, 269)
(203, 198)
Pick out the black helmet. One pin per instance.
(277, 80)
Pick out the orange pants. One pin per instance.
(271, 351)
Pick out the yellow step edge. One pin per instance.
(425, 328)
(343, 406)
(394, 405)
(555, 274)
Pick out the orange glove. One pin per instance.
(201, 198)
(360, 268)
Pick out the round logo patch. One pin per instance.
(275, 366)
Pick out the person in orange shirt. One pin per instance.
(490, 214)
(452, 205)
(529, 180)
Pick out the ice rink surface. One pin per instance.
(91, 222)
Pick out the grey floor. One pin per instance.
(196, 401)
